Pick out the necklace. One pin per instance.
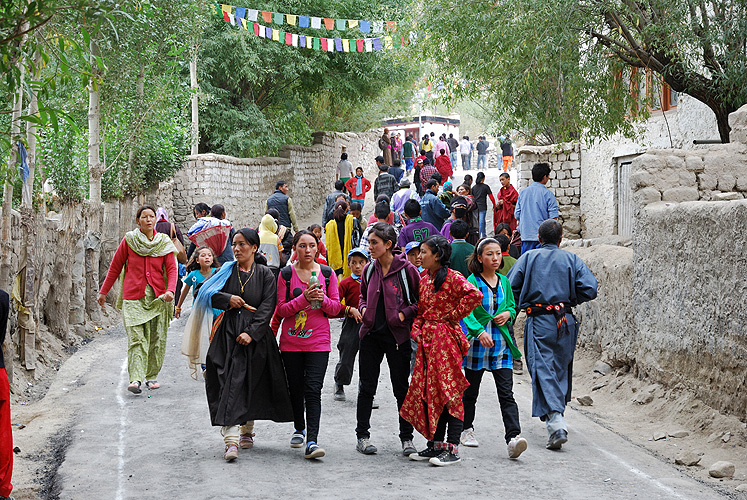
(251, 273)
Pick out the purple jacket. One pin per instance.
(394, 297)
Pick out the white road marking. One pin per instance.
(122, 428)
(642, 474)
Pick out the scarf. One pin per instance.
(359, 185)
(159, 246)
(161, 214)
(196, 341)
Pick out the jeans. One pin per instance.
(504, 382)
(481, 215)
(482, 160)
(362, 202)
(453, 156)
(408, 164)
(528, 245)
(305, 374)
(456, 427)
(374, 347)
(554, 421)
(466, 162)
(348, 348)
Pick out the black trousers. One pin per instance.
(374, 347)
(504, 382)
(347, 346)
(455, 426)
(305, 374)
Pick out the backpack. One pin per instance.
(382, 143)
(287, 274)
(402, 275)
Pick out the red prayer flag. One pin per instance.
(256, 29)
(391, 25)
(267, 16)
(359, 44)
(329, 23)
(288, 38)
(324, 44)
(226, 16)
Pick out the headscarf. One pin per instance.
(161, 214)
(448, 186)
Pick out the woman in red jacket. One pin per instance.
(358, 186)
(147, 297)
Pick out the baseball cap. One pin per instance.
(359, 251)
(411, 245)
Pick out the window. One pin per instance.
(660, 94)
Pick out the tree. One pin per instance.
(564, 65)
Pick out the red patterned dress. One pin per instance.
(437, 379)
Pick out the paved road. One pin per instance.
(161, 445)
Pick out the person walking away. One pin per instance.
(434, 399)
(385, 145)
(358, 186)
(507, 199)
(200, 210)
(388, 304)
(417, 229)
(280, 201)
(342, 234)
(460, 249)
(491, 346)
(482, 153)
(419, 163)
(442, 147)
(453, 150)
(305, 337)
(401, 197)
(344, 170)
(535, 205)
(507, 153)
(427, 148)
(385, 182)
(443, 165)
(426, 172)
(164, 226)
(329, 201)
(433, 209)
(482, 192)
(148, 259)
(219, 212)
(6, 431)
(465, 149)
(347, 346)
(270, 245)
(549, 283)
(396, 171)
(507, 262)
(244, 375)
(408, 153)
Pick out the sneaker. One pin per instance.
(518, 367)
(446, 457)
(313, 450)
(364, 446)
(468, 438)
(516, 447)
(339, 393)
(231, 453)
(557, 439)
(408, 448)
(374, 404)
(297, 439)
(427, 454)
(246, 441)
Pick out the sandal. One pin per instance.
(134, 387)
(152, 384)
(246, 441)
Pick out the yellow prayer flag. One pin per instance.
(226, 8)
(388, 44)
(346, 45)
(291, 18)
(276, 35)
(352, 23)
(243, 22)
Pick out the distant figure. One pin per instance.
(453, 150)
(507, 153)
(385, 182)
(357, 186)
(482, 153)
(465, 149)
(344, 169)
(549, 282)
(280, 201)
(507, 198)
(536, 204)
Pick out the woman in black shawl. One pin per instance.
(244, 377)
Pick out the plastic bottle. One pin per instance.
(315, 304)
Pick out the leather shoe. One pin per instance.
(557, 439)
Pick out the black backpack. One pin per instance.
(403, 279)
(287, 274)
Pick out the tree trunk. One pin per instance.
(195, 104)
(92, 239)
(722, 120)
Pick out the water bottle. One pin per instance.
(315, 304)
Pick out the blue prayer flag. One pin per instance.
(303, 21)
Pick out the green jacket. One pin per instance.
(478, 319)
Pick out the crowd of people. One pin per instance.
(419, 283)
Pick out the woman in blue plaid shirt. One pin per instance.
(491, 347)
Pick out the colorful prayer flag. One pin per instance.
(294, 40)
(227, 17)
(338, 44)
(276, 35)
(324, 44)
(352, 23)
(255, 27)
(377, 44)
(291, 18)
(378, 26)
(225, 8)
(251, 14)
(309, 41)
(387, 42)
(302, 40)
(391, 25)
(340, 25)
(268, 32)
(277, 18)
(316, 23)
(303, 21)
(243, 23)
(330, 45)
(267, 16)
(346, 45)
(316, 44)
(369, 45)
(365, 26)
(359, 45)
(240, 12)
(288, 38)
(329, 23)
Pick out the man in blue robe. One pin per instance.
(547, 283)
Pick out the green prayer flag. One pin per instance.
(353, 48)
(316, 44)
(397, 42)
(277, 18)
(341, 24)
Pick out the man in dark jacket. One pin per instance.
(329, 202)
(385, 183)
(433, 210)
(280, 201)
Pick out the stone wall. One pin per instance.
(565, 180)
(242, 185)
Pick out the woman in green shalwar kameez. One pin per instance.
(146, 260)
